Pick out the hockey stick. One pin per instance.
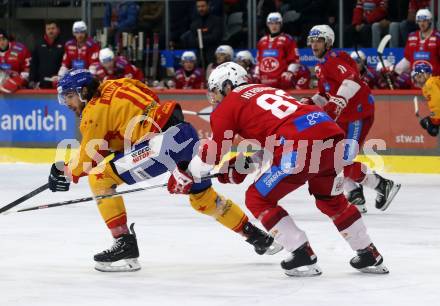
(380, 50)
(155, 61)
(416, 106)
(356, 50)
(100, 197)
(24, 198)
(202, 55)
(187, 112)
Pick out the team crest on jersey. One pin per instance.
(269, 64)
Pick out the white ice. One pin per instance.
(189, 259)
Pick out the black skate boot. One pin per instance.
(386, 191)
(124, 248)
(302, 262)
(262, 242)
(356, 197)
(369, 260)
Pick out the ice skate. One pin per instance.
(301, 262)
(262, 242)
(356, 197)
(124, 250)
(386, 191)
(369, 260)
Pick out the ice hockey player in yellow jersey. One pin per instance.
(422, 78)
(148, 139)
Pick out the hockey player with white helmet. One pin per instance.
(422, 46)
(246, 60)
(112, 67)
(79, 52)
(368, 74)
(348, 100)
(189, 76)
(237, 105)
(223, 54)
(277, 55)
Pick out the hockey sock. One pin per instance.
(349, 185)
(286, 233)
(356, 235)
(371, 180)
(225, 211)
(119, 230)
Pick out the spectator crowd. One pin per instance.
(283, 26)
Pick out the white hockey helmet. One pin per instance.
(359, 55)
(245, 55)
(274, 17)
(322, 31)
(225, 73)
(79, 27)
(387, 64)
(423, 14)
(189, 56)
(225, 49)
(106, 55)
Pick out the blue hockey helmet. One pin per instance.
(420, 74)
(73, 81)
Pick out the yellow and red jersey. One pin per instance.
(431, 91)
(114, 115)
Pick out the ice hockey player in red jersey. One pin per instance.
(277, 56)
(79, 52)
(348, 100)
(422, 46)
(112, 68)
(189, 76)
(288, 131)
(368, 74)
(14, 64)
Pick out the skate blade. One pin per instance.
(273, 249)
(130, 265)
(393, 192)
(304, 271)
(379, 269)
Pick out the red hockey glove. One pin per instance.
(286, 79)
(11, 84)
(334, 106)
(180, 182)
(230, 174)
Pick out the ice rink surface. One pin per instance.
(189, 259)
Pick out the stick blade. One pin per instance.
(383, 43)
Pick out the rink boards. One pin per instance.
(32, 124)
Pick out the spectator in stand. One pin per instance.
(300, 16)
(111, 67)
(368, 19)
(223, 54)
(246, 60)
(422, 46)
(368, 74)
(277, 56)
(14, 64)
(47, 57)
(79, 52)
(402, 81)
(399, 30)
(211, 27)
(189, 76)
(120, 17)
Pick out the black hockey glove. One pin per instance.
(57, 180)
(430, 127)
